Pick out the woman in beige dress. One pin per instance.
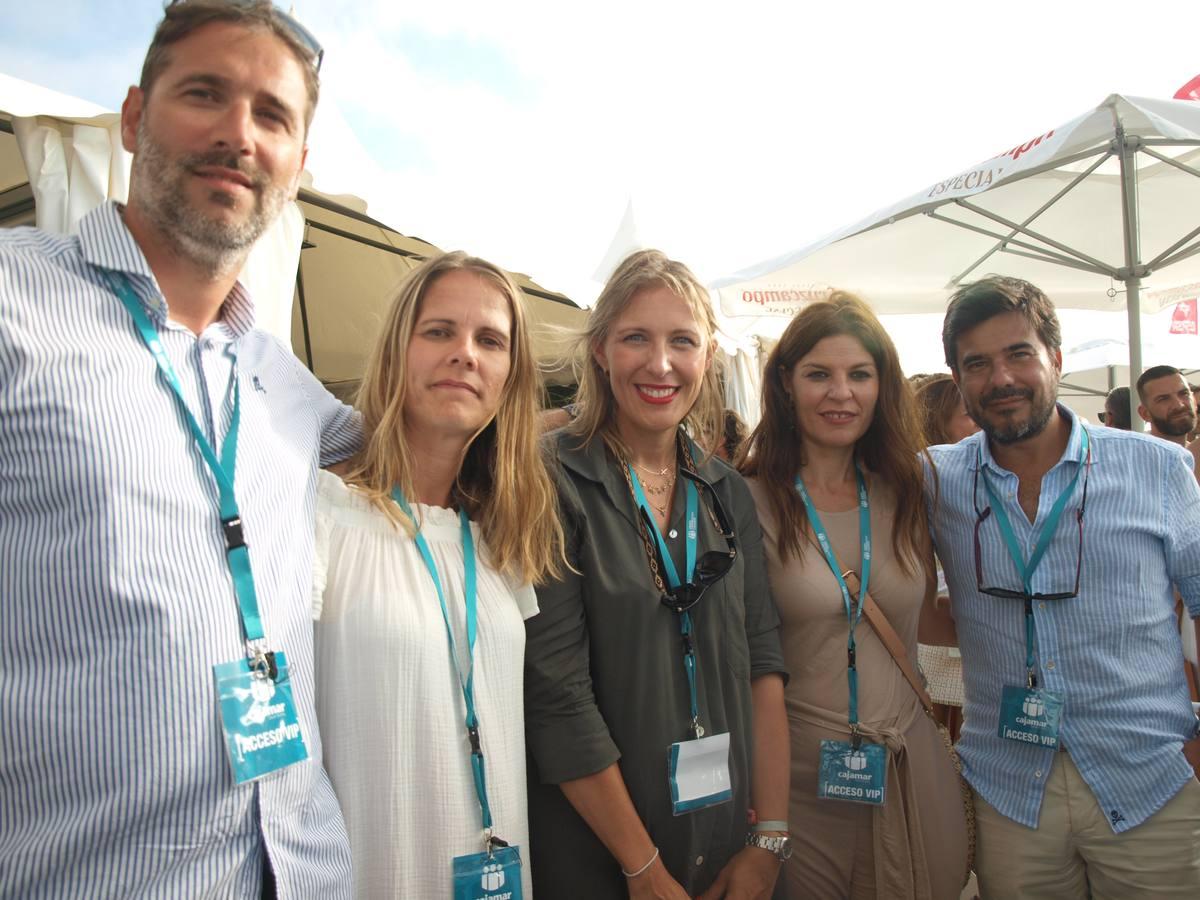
(837, 452)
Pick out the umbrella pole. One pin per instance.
(1133, 306)
(1133, 270)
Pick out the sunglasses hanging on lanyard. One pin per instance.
(1030, 714)
(697, 769)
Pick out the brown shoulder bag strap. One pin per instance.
(889, 639)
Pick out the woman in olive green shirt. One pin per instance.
(607, 690)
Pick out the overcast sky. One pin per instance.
(520, 131)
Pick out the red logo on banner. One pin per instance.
(1190, 91)
(1183, 320)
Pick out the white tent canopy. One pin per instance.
(1094, 212)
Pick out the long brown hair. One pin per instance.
(503, 482)
(890, 449)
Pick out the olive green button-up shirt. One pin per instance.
(605, 681)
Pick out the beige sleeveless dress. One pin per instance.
(914, 846)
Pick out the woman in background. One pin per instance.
(834, 466)
(733, 436)
(662, 638)
(945, 420)
(944, 416)
(427, 547)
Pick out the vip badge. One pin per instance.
(483, 876)
(1030, 715)
(856, 774)
(262, 730)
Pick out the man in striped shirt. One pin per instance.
(128, 362)
(1061, 544)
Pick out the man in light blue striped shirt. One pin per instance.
(120, 586)
(1061, 544)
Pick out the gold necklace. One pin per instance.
(661, 489)
(661, 473)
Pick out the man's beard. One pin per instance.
(1011, 433)
(1175, 426)
(158, 190)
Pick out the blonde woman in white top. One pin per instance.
(427, 547)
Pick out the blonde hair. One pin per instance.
(597, 406)
(502, 483)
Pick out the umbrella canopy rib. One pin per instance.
(1039, 253)
(1166, 254)
(1183, 167)
(1068, 263)
(1182, 255)
(1029, 232)
(1031, 218)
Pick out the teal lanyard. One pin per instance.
(1044, 537)
(236, 552)
(672, 575)
(853, 615)
(471, 601)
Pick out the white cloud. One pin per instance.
(740, 130)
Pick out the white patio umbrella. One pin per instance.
(1093, 212)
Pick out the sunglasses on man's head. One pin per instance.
(711, 567)
(305, 37)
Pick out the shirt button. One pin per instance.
(1037, 774)
(1042, 605)
(672, 534)
(1050, 664)
(699, 860)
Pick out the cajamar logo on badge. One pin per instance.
(261, 691)
(855, 760)
(493, 880)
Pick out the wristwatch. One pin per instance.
(779, 844)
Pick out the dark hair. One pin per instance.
(182, 18)
(1153, 373)
(975, 303)
(735, 433)
(891, 448)
(937, 400)
(1116, 409)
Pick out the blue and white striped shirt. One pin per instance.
(1113, 650)
(115, 597)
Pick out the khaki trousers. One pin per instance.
(1073, 853)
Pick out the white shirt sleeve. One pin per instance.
(324, 528)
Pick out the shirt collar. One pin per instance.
(106, 243)
(981, 448)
